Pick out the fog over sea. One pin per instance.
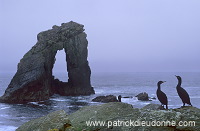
(125, 84)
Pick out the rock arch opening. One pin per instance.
(59, 70)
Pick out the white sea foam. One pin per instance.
(70, 106)
(3, 115)
(99, 91)
(8, 128)
(58, 99)
(129, 100)
(6, 107)
(36, 103)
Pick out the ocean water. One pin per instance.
(125, 84)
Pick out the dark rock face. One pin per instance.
(143, 96)
(105, 99)
(34, 81)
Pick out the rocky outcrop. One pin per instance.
(143, 96)
(118, 116)
(105, 99)
(34, 81)
(153, 107)
(55, 120)
(123, 117)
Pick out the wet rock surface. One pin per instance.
(105, 99)
(34, 81)
(143, 96)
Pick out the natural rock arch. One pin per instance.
(59, 70)
(34, 81)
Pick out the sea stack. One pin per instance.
(33, 80)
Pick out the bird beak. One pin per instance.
(175, 75)
(164, 81)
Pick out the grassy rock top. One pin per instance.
(105, 112)
(55, 120)
(119, 116)
(116, 112)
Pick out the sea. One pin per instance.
(126, 84)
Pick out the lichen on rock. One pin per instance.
(57, 120)
(121, 112)
(118, 116)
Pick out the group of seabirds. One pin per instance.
(181, 92)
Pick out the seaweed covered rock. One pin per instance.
(34, 81)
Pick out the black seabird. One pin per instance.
(161, 95)
(182, 92)
(119, 98)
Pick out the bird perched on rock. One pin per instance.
(182, 92)
(161, 95)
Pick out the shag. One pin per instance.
(182, 92)
(119, 98)
(161, 95)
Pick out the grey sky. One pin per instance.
(123, 35)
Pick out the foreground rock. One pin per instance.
(143, 96)
(105, 99)
(153, 107)
(56, 120)
(109, 111)
(34, 81)
(119, 116)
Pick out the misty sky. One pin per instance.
(123, 35)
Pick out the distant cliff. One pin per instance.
(34, 81)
